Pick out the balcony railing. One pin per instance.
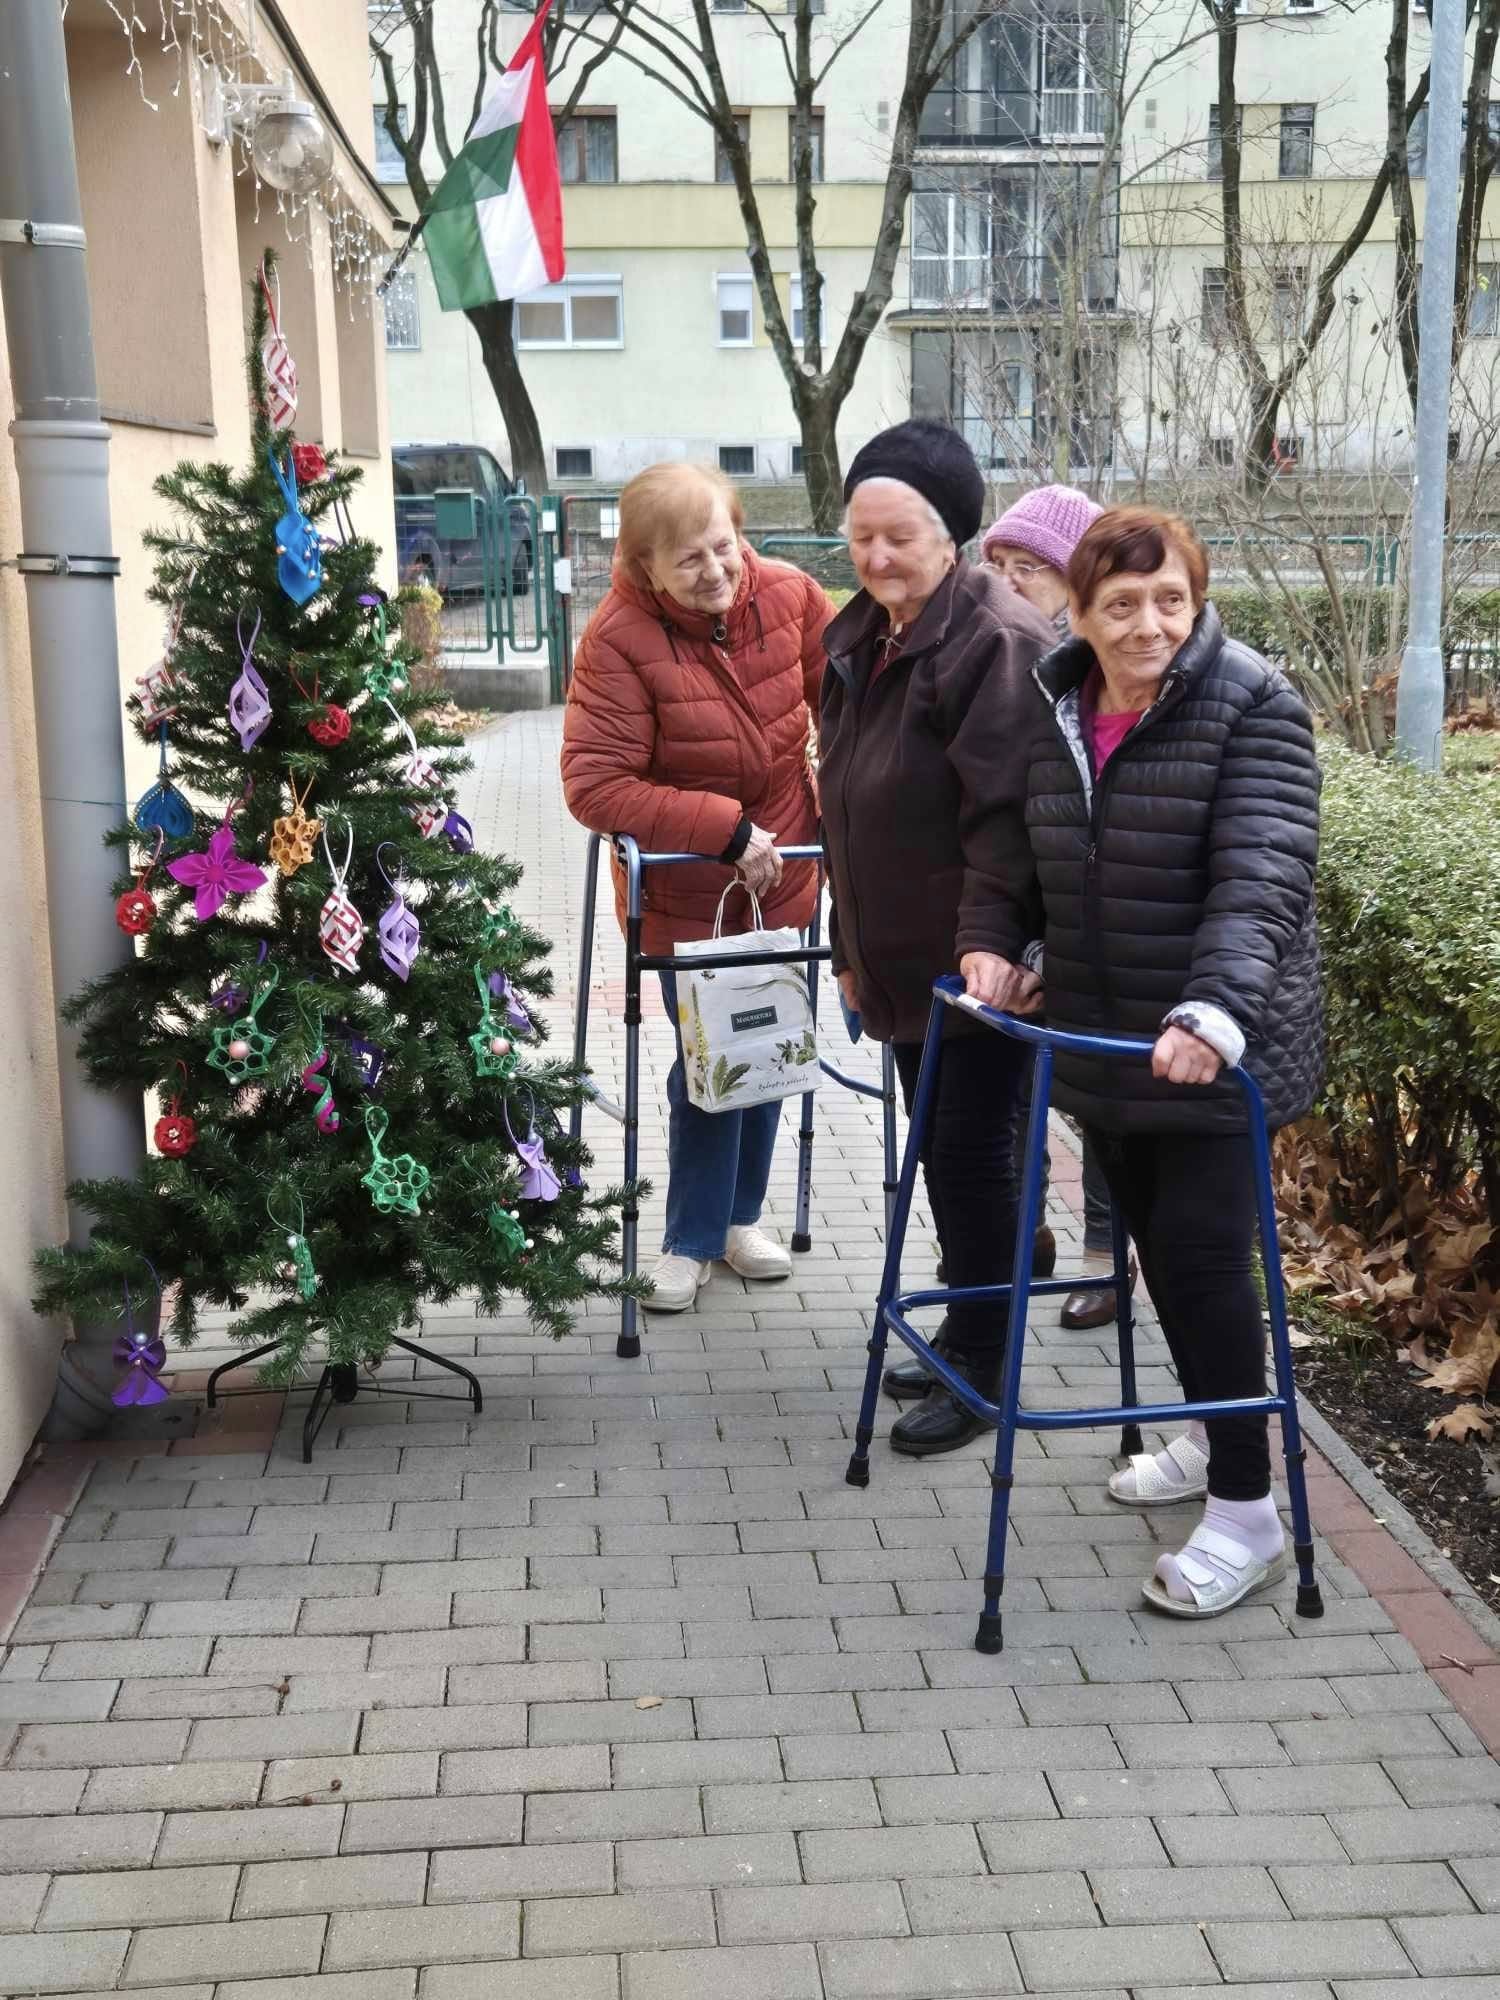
(1006, 283)
(955, 117)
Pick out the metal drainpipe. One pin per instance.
(62, 459)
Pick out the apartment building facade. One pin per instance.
(1061, 290)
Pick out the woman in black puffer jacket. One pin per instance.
(1172, 811)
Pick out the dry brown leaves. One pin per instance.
(1415, 1272)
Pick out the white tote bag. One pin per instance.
(747, 1030)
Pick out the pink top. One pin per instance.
(1103, 733)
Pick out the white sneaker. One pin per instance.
(755, 1255)
(677, 1281)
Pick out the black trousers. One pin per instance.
(1189, 1203)
(969, 1164)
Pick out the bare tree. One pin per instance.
(1270, 388)
(683, 56)
(405, 34)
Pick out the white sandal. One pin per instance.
(1219, 1572)
(1142, 1483)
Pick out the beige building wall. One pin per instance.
(1349, 407)
(173, 231)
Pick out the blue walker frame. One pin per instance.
(627, 1115)
(893, 1305)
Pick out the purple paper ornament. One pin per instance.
(228, 998)
(539, 1180)
(249, 702)
(515, 1013)
(368, 1059)
(216, 873)
(142, 1356)
(400, 933)
(458, 833)
(574, 1179)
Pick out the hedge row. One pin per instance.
(1409, 901)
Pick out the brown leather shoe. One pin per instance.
(1082, 1311)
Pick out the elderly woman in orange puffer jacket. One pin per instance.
(687, 727)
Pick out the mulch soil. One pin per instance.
(1377, 1405)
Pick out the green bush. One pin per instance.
(1409, 901)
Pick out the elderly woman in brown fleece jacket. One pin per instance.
(921, 782)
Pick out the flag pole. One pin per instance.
(401, 256)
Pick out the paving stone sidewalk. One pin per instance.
(618, 1692)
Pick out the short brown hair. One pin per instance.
(1135, 541)
(669, 503)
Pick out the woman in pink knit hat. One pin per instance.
(1033, 542)
(1031, 546)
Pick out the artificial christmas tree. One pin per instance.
(315, 924)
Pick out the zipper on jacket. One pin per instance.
(858, 707)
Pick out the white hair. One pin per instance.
(934, 518)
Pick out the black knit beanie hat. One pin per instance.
(936, 462)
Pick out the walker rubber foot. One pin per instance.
(858, 1473)
(801, 1241)
(628, 1347)
(987, 1639)
(1309, 1601)
(1131, 1441)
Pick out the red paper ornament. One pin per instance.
(176, 1133)
(331, 728)
(309, 462)
(135, 912)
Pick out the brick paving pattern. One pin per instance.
(620, 1693)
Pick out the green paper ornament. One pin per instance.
(494, 1051)
(383, 675)
(242, 1048)
(302, 1264)
(498, 925)
(397, 1183)
(509, 1231)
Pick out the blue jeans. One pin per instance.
(718, 1162)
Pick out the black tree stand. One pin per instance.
(339, 1383)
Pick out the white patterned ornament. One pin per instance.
(341, 929)
(281, 370)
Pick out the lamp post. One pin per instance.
(1419, 689)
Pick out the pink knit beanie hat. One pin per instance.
(1049, 524)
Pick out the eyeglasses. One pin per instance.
(1023, 572)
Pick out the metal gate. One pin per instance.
(493, 566)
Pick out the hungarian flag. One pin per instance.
(495, 228)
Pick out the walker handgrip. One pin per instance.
(1134, 1048)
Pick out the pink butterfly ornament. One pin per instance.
(216, 874)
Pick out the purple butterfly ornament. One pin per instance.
(216, 873)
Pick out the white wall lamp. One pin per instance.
(290, 146)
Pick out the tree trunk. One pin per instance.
(1399, 169)
(818, 416)
(495, 326)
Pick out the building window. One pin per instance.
(796, 461)
(1288, 298)
(1217, 451)
(1039, 71)
(798, 317)
(575, 461)
(1215, 303)
(723, 167)
(738, 460)
(1297, 142)
(1214, 162)
(403, 317)
(1484, 302)
(736, 299)
(1416, 139)
(588, 147)
(730, 6)
(816, 136)
(389, 165)
(580, 312)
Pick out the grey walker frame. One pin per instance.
(627, 1115)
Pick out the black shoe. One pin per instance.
(909, 1378)
(940, 1422)
(343, 1384)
